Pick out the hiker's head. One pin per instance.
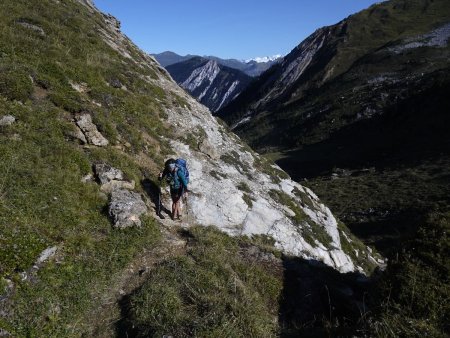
(170, 164)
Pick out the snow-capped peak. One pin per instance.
(264, 58)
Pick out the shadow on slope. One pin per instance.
(153, 191)
(319, 301)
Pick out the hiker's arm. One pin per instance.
(162, 174)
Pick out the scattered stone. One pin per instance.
(115, 83)
(16, 137)
(111, 178)
(106, 173)
(90, 131)
(7, 120)
(79, 87)
(4, 333)
(87, 178)
(125, 208)
(32, 27)
(45, 255)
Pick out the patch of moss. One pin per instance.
(217, 175)
(242, 186)
(304, 197)
(248, 200)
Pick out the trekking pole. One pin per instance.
(159, 206)
(186, 203)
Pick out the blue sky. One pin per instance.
(229, 29)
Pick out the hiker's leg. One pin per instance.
(173, 195)
(174, 205)
(177, 209)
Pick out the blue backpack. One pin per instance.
(182, 165)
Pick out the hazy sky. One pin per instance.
(229, 29)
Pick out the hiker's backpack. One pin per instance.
(182, 165)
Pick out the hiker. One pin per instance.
(178, 180)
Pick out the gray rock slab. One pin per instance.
(90, 130)
(106, 173)
(32, 27)
(125, 208)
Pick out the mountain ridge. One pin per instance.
(250, 67)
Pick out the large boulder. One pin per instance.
(125, 208)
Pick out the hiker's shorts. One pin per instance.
(176, 194)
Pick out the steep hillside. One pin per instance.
(214, 85)
(361, 108)
(86, 122)
(333, 51)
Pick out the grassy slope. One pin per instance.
(42, 200)
(214, 291)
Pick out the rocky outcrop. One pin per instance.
(105, 173)
(90, 131)
(125, 208)
(111, 178)
(31, 27)
(243, 194)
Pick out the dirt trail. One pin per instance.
(102, 321)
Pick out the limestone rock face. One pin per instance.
(90, 131)
(125, 208)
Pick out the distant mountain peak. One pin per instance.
(264, 59)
